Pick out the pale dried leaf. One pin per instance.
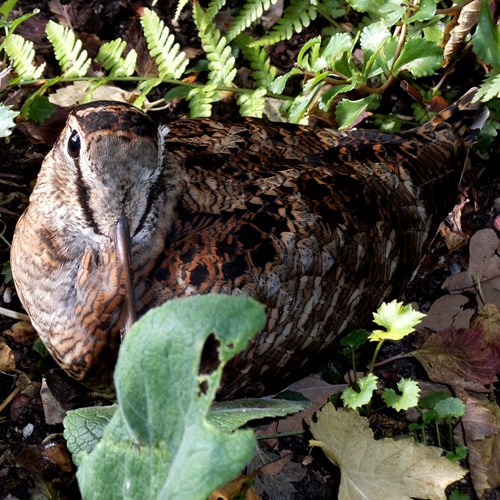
(461, 26)
(385, 468)
(71, 95)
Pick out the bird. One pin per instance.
(319, 225)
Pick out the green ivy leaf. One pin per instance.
(419, 57)
(398, 319)
(408, 398)
(367, 386)
(159, 443)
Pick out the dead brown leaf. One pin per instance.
(447, 311)
(275, 473)
(318, 392)
(481, 423)
(22, 332)
(488, 318)
(459, 28)
(460, 358)
(484, 263)
(234, 489)
(7, 360)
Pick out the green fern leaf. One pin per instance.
(110, 58)
(214, 8)
(262, 71)
(7, 120)
(200, 100)
(249, 13)
(180, 5)
(21, 53)
(221, 62)
(74, 61)
(171, 61)
(253, 103)
(298, 15)
(490, 88)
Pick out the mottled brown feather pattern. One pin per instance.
(319, 225)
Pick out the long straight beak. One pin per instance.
(122, 245)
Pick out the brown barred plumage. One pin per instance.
(319, 225)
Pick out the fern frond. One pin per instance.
(7, 122)
(252, 104)
(214, 8)
(74, 61)
(171, 61)
(180, 5)
(248, 14)
(200, 100)
(297, 15)
(221, 63)
(21, 53)
(110, 58)
(262, 71)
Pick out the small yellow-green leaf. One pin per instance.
(399, 320)
(408, 398)
(367, 385)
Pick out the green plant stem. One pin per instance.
(451, 438)
(237, 90)
(438, 435)
(375, 354)
(353, 360)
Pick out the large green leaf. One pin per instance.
(159, 443)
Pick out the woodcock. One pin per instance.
(319, 225)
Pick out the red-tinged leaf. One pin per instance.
(459, 358)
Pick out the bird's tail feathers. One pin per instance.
(465, 117)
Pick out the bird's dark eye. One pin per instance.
(74, 144)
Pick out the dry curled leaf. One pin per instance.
(481, 423)
(235, 489)
(7, 360)
(384, 468)
(460, 358)
(459, 27)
